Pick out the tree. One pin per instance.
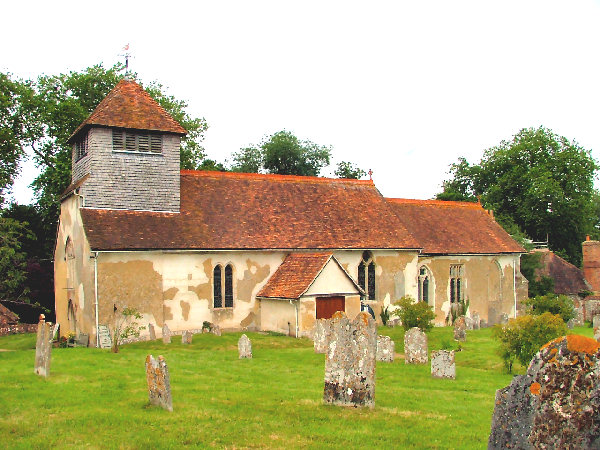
(539, 183)
(13, 261)
(248, 160)
(348, 170)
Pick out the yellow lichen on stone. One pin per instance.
(552, 342)
(535, 388)
(582, 344)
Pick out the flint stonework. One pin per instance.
(556, 404)
(151, 332)
(159, 385)
(415, 347)
(166, 334)
(350, 361)
(321, 334)
(385, 349)
(460, 329)
(186, 337)
(442, 364)
(244, 347)
(43, 347)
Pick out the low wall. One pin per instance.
(19, 328)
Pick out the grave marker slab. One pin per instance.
(321, 335)
(104, 336)
(415, 347)
(460, 329)
(186, 337)
(151, 332)
(159, 385)
(476, 321)
(166, 334)
(443, 365)
(244, 347)
(43, 347)
(386, 349)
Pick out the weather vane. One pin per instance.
(127, 55)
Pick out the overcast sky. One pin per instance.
(400, 87)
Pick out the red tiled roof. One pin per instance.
(442, 227)
(253, 211)
(128, 105)
(568, 279)
(295, 275)
(7, 317)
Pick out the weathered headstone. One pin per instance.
(244, 347)
(151, 332)
(386, 349)
(321, 334)
(166, 334)
(215, 329)
(468, 323)
(579, 321)
(350, 361)
(476, 321)
(460, 329)
(415, 347)
(596, 321)
(556, 404)
(442, 364)
(159, 385)
(483, 323)
(571, 324)
(43, 347)
(104, 336)
(503, 319)
(186, 337)
(392, 323)
(597, 334)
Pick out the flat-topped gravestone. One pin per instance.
(386, 349)
(415, 347)
(556, 404)
(159, 385)
(443, 365)
(350, 361)
(186, 337)
(43, 347)
(104, 336)
(321, 335)
(476, 321)
(166, 334)
(151, 332)
(460, 329)
(244, 347)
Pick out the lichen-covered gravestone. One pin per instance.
(350, 361)
(415, 347)
(186, 337)
(151, 332)
(385, 349)
(244, 347)
(597, 334)
(43, 347)
(503, 319)
(166, 334)
(556, 404)
(159, 385)
(215, 329)
(460, 329)
(321, 334)
(476, 321)
(442, 364)
(468, 323)
(596, 321)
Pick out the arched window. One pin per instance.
(217, 294)
(228, 286)
(424, 279)
(457, 272)
(366, 275)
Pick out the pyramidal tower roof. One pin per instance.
(128, 105)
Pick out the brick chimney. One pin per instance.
(591, 263)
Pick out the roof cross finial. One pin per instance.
(127, 55)
(370, 175)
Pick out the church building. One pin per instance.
(253, 251)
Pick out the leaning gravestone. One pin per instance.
(460, 329)
(321, 334)
(442, 364)
(151, 332)
(159, 385)
(244, 347)
(350, 361)
(415, 347)
(556, 404)
(385, 349)
(43, 347)
(166, 334)
(186, 337)
(476, 321)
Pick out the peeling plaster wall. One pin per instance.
(277, 314)
(487, 284)
(80, 288)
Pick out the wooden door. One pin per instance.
(326, 306)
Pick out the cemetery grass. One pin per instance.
(97, 399)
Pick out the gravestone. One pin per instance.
(321, 335)
(596, 321)
(571, 324)
(151, 332)
(186, 337)
(415, 346)
(556, 404)
(244, 347)
(166, 334)
(460, 329)
(104, 336)
(476, 321)
(468, 323)
(386, 349)
(43, 347)
(82, 340)
(159, 385)
(579, 322)
(597, 334)
(350, 361)
(392, 323)
(503, 319)
(215, 329)
(442, 364)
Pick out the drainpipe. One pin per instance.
(96, 298)
(296, 308)
(515, 284)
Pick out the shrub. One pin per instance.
(413, 314)
(125, 326)
(552, 303)
(523, 337)
(385, 315)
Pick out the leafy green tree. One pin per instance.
(537, 285)
(13, 261)
(248, 160)
(414, 314)
(348, 170)
(539, 183)
(554, 304)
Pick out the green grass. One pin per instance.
(98, 399)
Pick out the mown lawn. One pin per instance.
(97, 399)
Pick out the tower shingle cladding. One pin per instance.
(129, 180)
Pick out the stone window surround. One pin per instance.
(366, 275)
(456, 283)
(226, 297)
(424, 283)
